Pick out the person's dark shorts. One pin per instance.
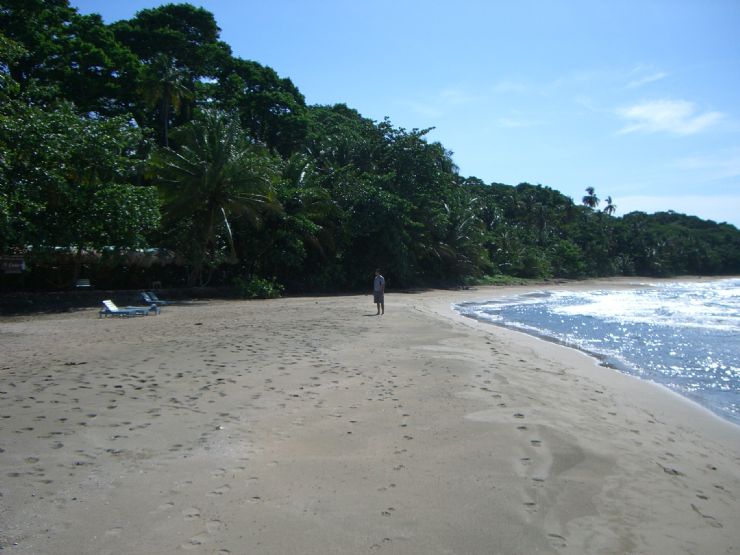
(378, 297)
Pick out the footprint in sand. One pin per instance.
(557, 540)
(191, 513)
(713, 522)
(196, 541)
(218, 473)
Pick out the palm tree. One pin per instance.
(214, 175)
(591, 200)
(459, 245)
(610, 207)
(164, 85)
(305, 201)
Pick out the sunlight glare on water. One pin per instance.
(683, 335)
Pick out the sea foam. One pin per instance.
(683, 335)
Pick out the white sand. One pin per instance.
(311, 426)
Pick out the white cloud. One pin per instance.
(671, 116)
(640, 81)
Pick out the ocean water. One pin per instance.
(683, 335)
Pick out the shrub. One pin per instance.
(258, 288)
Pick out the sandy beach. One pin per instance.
(312, 426)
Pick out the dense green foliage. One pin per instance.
(146, 151)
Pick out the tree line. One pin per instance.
(144, 150)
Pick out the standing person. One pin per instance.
(379, 292)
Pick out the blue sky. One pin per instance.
(638, 99)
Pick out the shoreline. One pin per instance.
(602, 360)
(596, 359)
(309, 425)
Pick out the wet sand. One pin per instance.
(312, 426)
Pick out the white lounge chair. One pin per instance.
(150, 298)
(110, 309)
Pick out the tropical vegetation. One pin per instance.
(145, 150)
